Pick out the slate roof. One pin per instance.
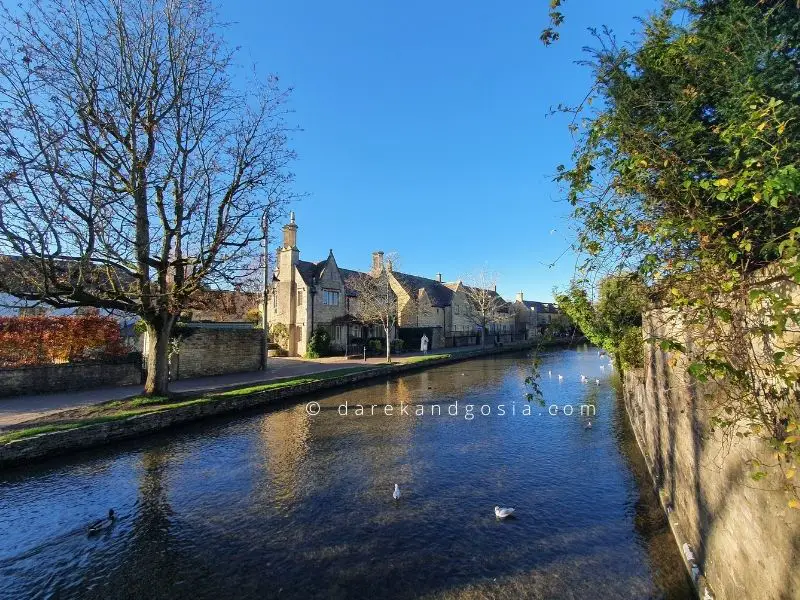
(347, 274)
(440, 295)
(542, 307)
(309, 270)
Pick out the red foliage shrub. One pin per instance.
(50, 339)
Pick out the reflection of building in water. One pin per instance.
(285, 435)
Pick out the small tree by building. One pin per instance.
(484, 304)
(375, 302)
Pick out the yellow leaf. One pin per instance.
(762, 126)
(757, 197)
(791, 427)
(791, 439)
(722, 182)
(790, 474)
(736, 234)
(794, 504)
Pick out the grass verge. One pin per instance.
(141, 405)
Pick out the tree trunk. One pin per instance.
(159, 332)
(388, 346)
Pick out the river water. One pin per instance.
(280, 503)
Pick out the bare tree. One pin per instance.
(375, 302)
(132, 169)
(484, 305)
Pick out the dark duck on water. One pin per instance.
(102, 524)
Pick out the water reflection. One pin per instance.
(280, 503)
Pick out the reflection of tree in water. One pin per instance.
(148, 560)
(649, 519)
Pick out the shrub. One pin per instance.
(375, 345)
(49, 339)
(279, 334)
(631, 347)
(319, 344)
(397, 346)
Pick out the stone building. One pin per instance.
(534, 318)
(306, 296)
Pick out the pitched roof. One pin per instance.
(439, 294)
(347, 274)
(543, 307)
(309, 270)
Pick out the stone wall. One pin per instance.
(43, 379)
(216, 351)
(57, 443)
(743, 538)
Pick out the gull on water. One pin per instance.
(503, 513)
(396, 492)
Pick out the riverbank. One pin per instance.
(104, 423)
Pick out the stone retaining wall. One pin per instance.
(60, 442)
(742, 539)
(42, 379)
(216, 351)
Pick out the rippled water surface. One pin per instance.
(279, 503)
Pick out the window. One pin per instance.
(299, 297)
(274, 300)
(338, 335)
(330, 297)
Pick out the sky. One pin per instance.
(425, 128)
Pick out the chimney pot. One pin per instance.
(290, 233)
(519, 297)
(439, 277)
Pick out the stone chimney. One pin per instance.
(519, 296)
(494, 288)
(290, 233)
(439, 277)
(389, 265)
(288, 254)
(377, 261)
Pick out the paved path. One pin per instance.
(18, 409)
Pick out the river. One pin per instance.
(286, 504)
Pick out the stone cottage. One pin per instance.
(306, 296)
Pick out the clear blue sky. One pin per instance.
(425, 128)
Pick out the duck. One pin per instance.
(503, 513)
(583, 378)
(560, 377)
(102, 524)
(549, 373)
(396, 492)
(588, 425)
(597, 382)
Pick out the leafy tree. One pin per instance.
(614, 322)
(686, 172)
